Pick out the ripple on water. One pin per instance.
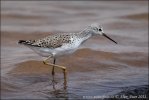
(104, 69)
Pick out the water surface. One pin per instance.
(98, 68)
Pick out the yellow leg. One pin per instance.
(65, 78)
(62, 67)
(45, 61)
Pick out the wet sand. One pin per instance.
(97, 68)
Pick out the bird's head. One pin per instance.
(98, 30)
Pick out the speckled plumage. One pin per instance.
(56, 45)
(53, 41)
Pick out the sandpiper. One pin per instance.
(56, 45)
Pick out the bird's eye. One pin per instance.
(99, 29)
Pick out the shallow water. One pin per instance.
(98, 68)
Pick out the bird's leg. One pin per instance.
(64, 71)
(53, 66)
(65, 78)
(46, 60)
(46, 63)
(62, 67)
(53, 73)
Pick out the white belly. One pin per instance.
(63, 50)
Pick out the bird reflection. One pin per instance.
(59, 92)
(54, 83)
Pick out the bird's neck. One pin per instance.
(85, 34)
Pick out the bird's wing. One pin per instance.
(53, 41)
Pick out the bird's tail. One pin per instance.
(26, 42)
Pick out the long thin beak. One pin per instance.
(109, 38)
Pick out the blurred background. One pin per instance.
(98, 68)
